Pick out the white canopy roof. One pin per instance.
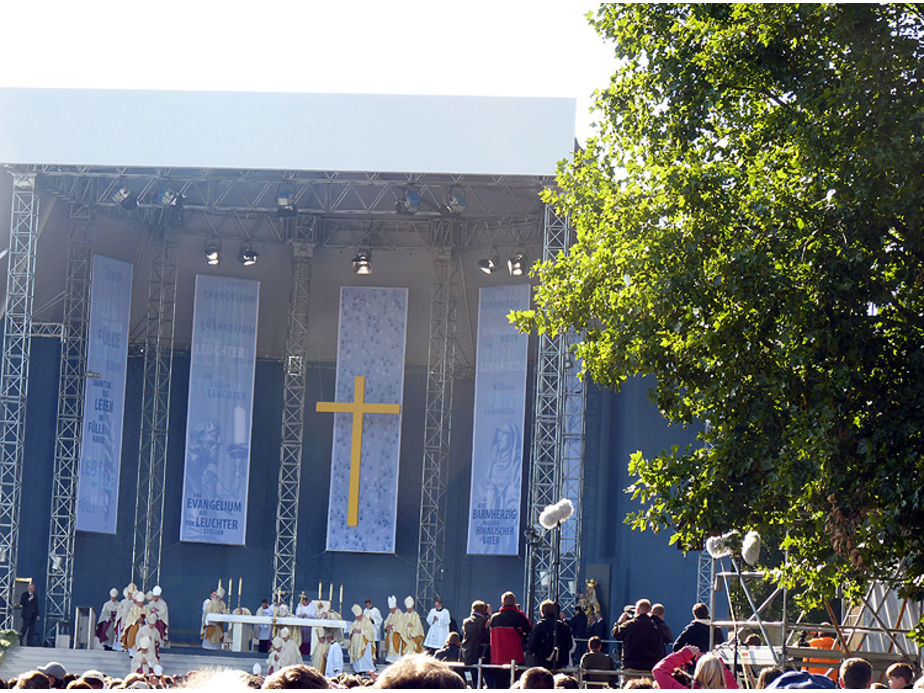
(334, 132)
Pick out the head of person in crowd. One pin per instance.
(454, 639)
(767, 676)
(657, 610)
(508, 599)
(709, 672)
(419, 671)
(642, 606)
(643, 682)
(753, 640)
(565, 681)
(55, 673)
(548, 609)
(479, 607)
(537, 677)
(700, 611)
(32, 679)
(855, 672)
(595, 644)
(296, 676)
(900, 675)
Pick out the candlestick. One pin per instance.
(240, 590)
(320, 587)
(230, 588)
(330, 593)
(341, 597)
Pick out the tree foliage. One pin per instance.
(748, 223)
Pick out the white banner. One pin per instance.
(497, 431)
(104, 396)
(221, 373)
(363, 502)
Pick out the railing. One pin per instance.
(507, 674)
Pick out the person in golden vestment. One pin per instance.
(413, 632)
(362, 640)
(213, 633)
(394, 624)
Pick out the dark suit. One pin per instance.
(30, 613)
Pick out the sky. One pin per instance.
(539, 48)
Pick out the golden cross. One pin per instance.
(358, 407)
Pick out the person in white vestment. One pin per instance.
(128, 594)
(212, 634)
(160, 616)
(376, 617)
(144, 659)
(438, 621)
(289, 654)
(334, 665)
(264, 634)
(306, 609)
(362, 639)
(272, 662)
(106, 625)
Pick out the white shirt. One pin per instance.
(334, 660)
(309, 610)
(439, 628)
(263, 630)
(376, 617)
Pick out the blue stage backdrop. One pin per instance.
(104, 396)
(366, 449)
(497, 435)
(221, 381)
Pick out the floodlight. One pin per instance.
(456, 203)
(169, 197)
(409, 204)
(285, 201)
(213, 251)
(487, 265)
(125, 198)
(362, 263)
(516, 265)
(248, 256)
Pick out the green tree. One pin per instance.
(748, 223)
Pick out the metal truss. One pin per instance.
(703, 577)
(293, 418)
(155, 413)
(556, 463)
(499, 210)
(71, 383)
(14, 377)
(437, 428)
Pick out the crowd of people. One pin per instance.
(493, 649)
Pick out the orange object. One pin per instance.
(824, 642)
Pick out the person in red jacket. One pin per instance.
(507, 628)
(710, 671)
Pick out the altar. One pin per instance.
(238, 621)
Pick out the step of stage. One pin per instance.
(180, 661)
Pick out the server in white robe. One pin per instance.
(264, 630)
(438, 621)
(306, 609)
(376, 617)
(334, 663)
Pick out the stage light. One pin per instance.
(516, 265)
(455, 204)
(56, 562)
(169, 197)
(409, 204)
(362, 263)
(487, 265)
(285, 201)
(248, 256)
(125, 198)
(213, 251)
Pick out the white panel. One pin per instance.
(335, 132)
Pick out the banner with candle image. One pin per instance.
(221, 375)
(370, 378)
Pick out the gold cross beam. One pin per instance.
(358, 408)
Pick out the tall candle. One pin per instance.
(330, 593)
(240, 586)
(320, 587)
(230, 588)
(341, 595)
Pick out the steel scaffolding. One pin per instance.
(155, 413)
(71, 383)
(437, 429)
(556, 462)
(293, 420)
(14, 377)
